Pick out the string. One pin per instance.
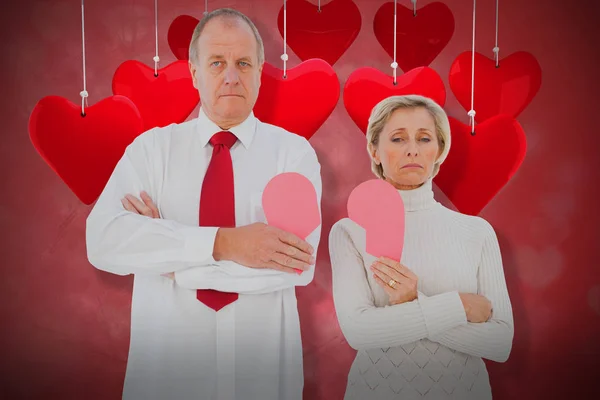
(471, 112)
(414, 7)
(394, 64)
(84, 94)
(496, 49)
(205, 7)
(284, 56)
(156, 57)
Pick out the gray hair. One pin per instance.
(224, 13)
(382, 112)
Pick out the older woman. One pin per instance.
(421, 326)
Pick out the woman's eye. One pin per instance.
(215, 63)
(427, 140)
(396, 139)
(244, 63)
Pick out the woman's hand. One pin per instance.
(477, 307)
(399, 282)
(144, 207)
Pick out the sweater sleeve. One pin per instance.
(492, 339)
(365, 325)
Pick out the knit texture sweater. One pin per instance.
(423, 349)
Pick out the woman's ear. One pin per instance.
(440, 151)
(374, 153)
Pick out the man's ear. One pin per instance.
(193, 70)
(260, 71)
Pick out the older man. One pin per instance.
(214, 312)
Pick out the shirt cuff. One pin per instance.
(200, 244)
(442, 312)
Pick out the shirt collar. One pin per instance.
(244, 131)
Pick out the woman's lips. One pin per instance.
(412, 166)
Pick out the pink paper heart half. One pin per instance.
(290, 203)
(378, 208)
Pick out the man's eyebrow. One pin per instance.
(222, 57)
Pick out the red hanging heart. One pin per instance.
(366, 87)
(83, 151)
(479, 166)
(419, 39)
(507, 89)
(326, 34)
(179, 35)
(168, 98)
(302, 101)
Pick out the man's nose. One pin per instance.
(231, 75)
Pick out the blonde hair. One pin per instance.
(225, 13)
(382, 112)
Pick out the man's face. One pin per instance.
(227, 73)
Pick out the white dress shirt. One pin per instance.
(180, 348)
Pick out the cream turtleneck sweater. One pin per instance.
(424, 348)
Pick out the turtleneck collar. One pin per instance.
(420, 198)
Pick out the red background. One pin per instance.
(66, 325)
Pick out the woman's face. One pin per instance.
(407, 148)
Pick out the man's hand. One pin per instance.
(145, 207)
(399, 282)
(262, 246)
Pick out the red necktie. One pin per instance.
(217, 205)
